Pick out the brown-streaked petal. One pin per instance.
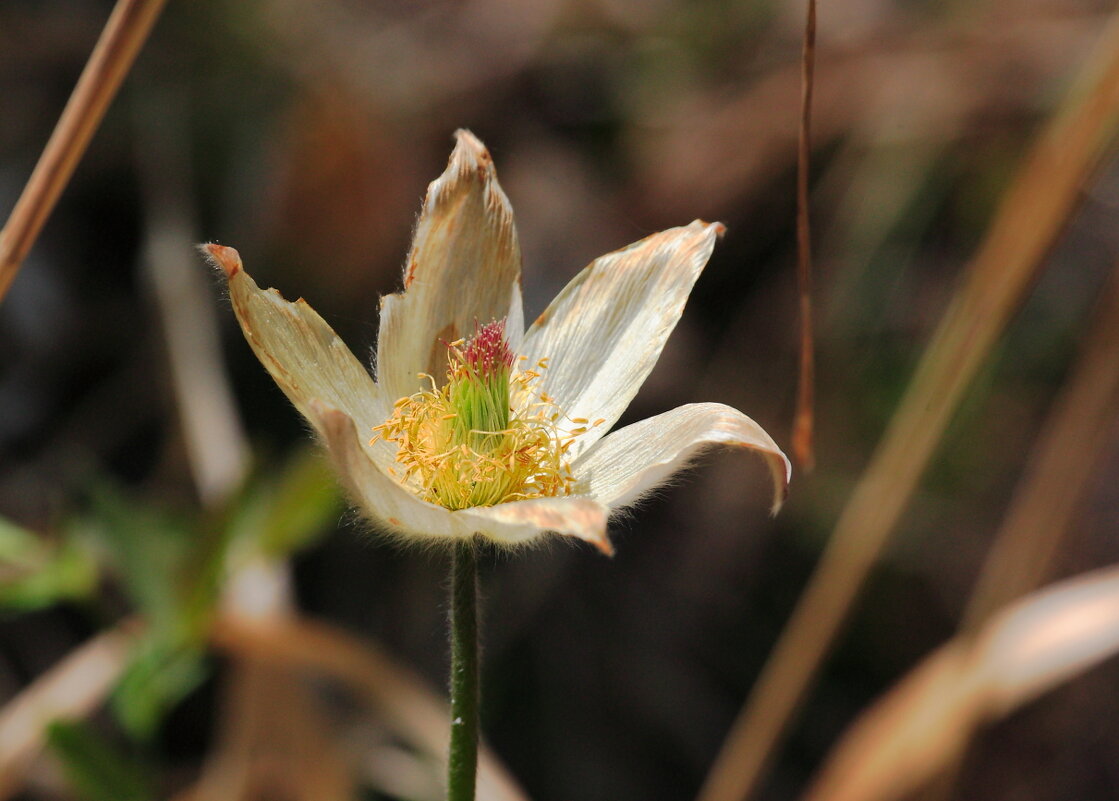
(518, 522)
(631, 461)
(464, 268)
(302, 353)
(604, 332)
(396, 507)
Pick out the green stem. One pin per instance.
(463, 761)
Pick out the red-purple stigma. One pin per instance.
(487, 353)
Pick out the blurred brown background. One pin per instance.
(305, 133)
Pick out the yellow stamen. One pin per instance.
(463, 445)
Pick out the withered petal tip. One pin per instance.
(227, 258)
(470, 152)
(716, 226)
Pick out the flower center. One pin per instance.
(462, 444)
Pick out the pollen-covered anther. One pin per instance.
(462, 445)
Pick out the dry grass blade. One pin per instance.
(1062, 468)
(1031, 647)
(71, 689)
(395, 771)
(1029, 221)
(264, 749)
(124, 33)
(1045, 505)
(412, 711)
(803, 422)
(215, 439)
(272, 750)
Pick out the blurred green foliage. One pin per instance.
(96, 770)
(171, 565)
(35, 573)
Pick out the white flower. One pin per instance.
(574, 372)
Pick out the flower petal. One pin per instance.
(398, 509)
(604, 332)
(380, 497)
(634, 460)
(520, 521)
(302, 353)
(515, 320)
(464, 268)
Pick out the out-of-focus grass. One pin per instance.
(307, 131)
(1036, 209)
(926, 720)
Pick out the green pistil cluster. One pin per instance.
(478, 387)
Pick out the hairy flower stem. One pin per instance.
(463, 761)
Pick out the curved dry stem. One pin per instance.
(413, 711)
(1024, 650)
(71, 689)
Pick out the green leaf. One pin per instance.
(160, 675)
(280, 514)
(171, 567)
(35, 572)
(95, 770)
(16, 544)
(148, 549)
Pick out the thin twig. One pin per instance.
(1030, 219)
(803, 422)
(120, 41)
